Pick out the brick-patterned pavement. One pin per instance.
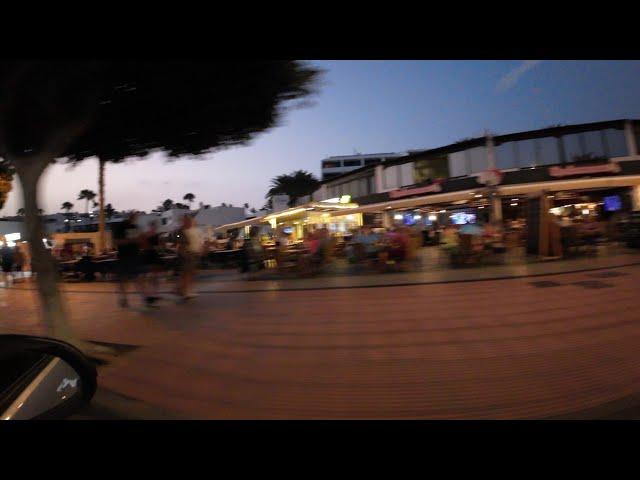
(519, 348)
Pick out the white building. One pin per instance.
(209, 218)
(339, 165)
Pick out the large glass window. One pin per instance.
(331, 164)
(506, 156)
(616, 142)
(371, 161)
(548, 151)
(391, 177)
(363, 188)
(573, 146)
(352, 163)
(593, 144)
(477, 159)
(458, 164)
(406, 174)
(430, 168)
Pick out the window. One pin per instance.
(593, 144)
(405, 172)
(477, 159)
(458, 164)
(372, 161)
(431, 168)
(390, 178)
(506, 156)
(331, 164)
(352, 163)
(371, 185)
(363, 188)
(548, 151)
(572, 146)
(616, 142)
(526, 153)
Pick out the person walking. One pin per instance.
(6, 263)
(189, 250)
(151, 262)
(127, 239)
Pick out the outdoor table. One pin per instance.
(226, 257)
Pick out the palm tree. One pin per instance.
(167, 204)
(109, 211)
(67, 206)
(87, 195)
(189, 197)
(297, 184)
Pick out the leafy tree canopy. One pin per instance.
(296, 184)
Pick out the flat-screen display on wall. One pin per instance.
(462, 218)
(612, 203)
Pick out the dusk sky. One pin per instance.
(368, 107)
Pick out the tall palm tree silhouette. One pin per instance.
(87, 195)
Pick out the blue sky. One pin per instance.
(370, 106)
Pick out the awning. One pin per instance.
(243, 223)
(409, 202)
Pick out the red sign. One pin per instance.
(584, 170)
(490, 177)
(434, 188)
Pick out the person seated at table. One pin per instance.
(371, 242)
(252, 252)
(396, 247)
(493, 236)
(66, 253)
(449, 238)
(312, 242)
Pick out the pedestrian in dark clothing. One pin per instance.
(127, 239)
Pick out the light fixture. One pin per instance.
(417, 217)
(585, 211)
(514, 204)
(479, 195)
(443, 211)
(481, 207)
(397, 216)
(433, 218)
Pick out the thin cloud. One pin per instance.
(511, 78)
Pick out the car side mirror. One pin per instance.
(43, 378)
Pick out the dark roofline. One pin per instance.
(351, 172)
(498, 139)
(360, 155)
(510, 137)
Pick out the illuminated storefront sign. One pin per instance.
(584, 170)
(435, 188)
(490, 177)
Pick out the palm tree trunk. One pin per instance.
(101, 226)
(42, 264)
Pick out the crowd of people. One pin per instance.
(140, 262)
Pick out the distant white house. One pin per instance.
(209, 218)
